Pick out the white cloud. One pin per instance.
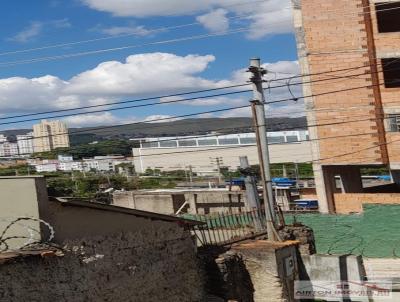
(160, 118)
(263, 17)
(290, 110)
(127, 30)
(107, 119)
(240, 112)
(149, 8)
(230, 101)
(101, 119)
(28, 33)
(268, 18)
(36, 28)
(61, 23)
(213, 101)
(141, 75)
(215, 21)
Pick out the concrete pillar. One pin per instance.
(323, 184)
(191, 198)
(395, 176)
(350, 177)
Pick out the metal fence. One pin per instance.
(227, 228)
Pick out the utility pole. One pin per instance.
(191, 176)
(217, 161)
(284, 171)
(251, 190)
(258, 111)
(296, 171)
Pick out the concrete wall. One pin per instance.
(19, 197)
(152, 202)
(332, 268)
(256, 271)
(157, 263)
(76, 222)
(200, 160)
(170, 201)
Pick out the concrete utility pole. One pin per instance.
(191, 176)
(217, 161)
(251, 190)
(257, 106)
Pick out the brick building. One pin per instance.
(359, 126)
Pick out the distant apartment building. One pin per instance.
(3, 138)
(197, 152)
(354, 117)
(50, 135)
(65, 158)
(46, 167)
(8, 149)
(25, 144)
(67, 164)
(103, 163)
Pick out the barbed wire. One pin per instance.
(31, 240)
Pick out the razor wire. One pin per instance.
(30, 232)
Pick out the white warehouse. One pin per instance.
(197, 152)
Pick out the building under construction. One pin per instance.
(349, 52)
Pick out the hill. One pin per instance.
(180, 127)
(184, 127)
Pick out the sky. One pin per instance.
(58, 55)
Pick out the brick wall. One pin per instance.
(158, 264)
(353, 203)
(340, 34)
(336, 38)
(387, 46)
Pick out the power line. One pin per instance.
(159, 97)
(332, 71)
(182, 100)
(126, 107)
(247, 145)
(105, 50)
(160, 29)
(91, 130)
(232, 108)
(51, 58)
(157, 29)
(238, 30)
(129, 101)
(313, 161)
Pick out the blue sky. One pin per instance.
(151, 70)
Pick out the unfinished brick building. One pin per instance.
(359, 124)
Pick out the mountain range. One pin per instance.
(196, 126)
